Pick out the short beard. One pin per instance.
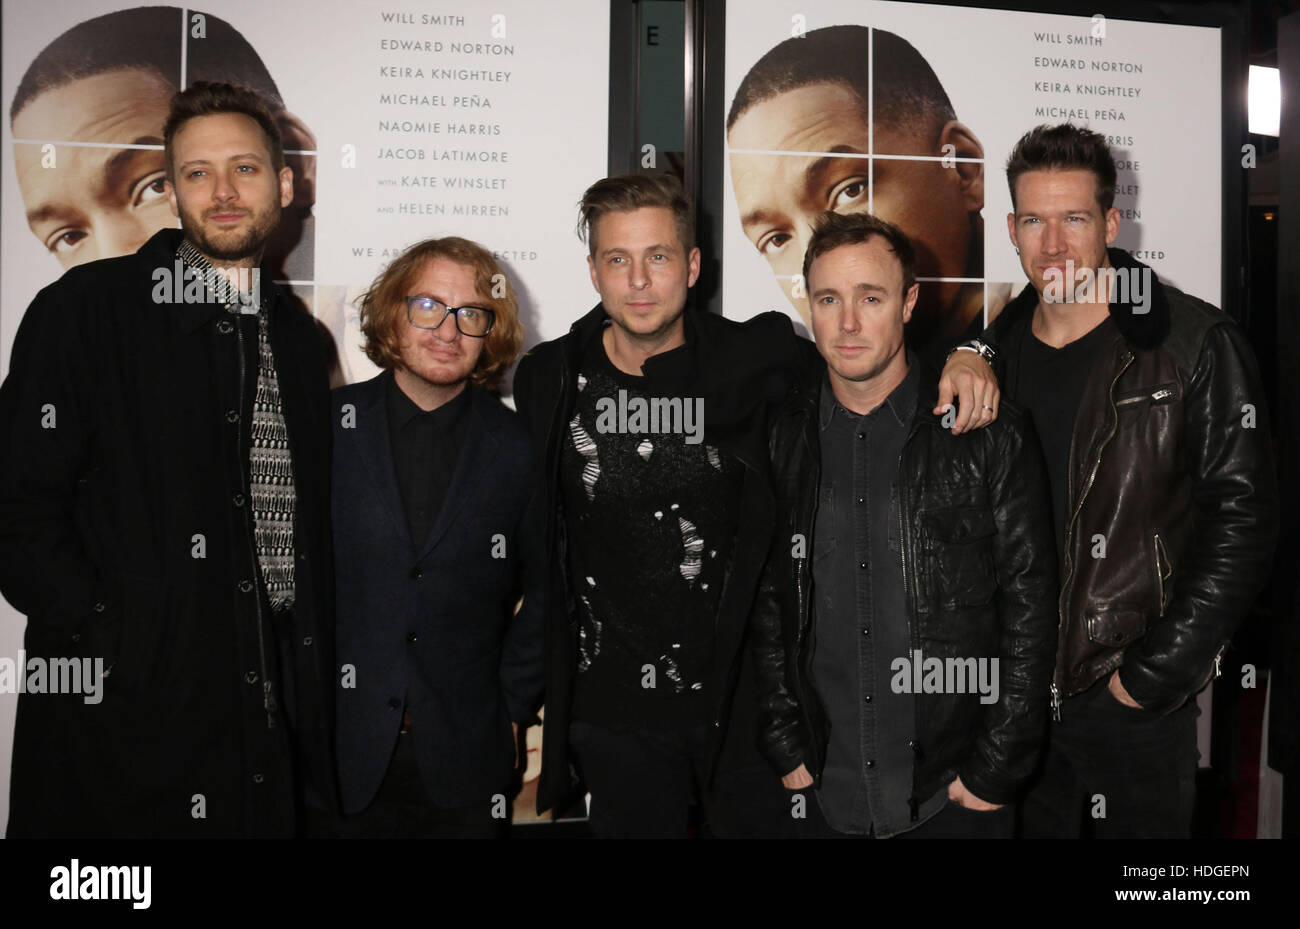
(250, 245)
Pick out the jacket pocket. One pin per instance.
(1116, 627)
(962, 566)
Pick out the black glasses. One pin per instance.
(428, 313)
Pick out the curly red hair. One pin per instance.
(383, 306)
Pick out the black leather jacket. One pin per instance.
(1171, 464)
(979, 571)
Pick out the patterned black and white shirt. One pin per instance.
(270, 463)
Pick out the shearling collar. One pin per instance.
(1143, 323)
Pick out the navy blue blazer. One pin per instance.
(430, 623)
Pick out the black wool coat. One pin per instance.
(126, 534)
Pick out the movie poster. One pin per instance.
(402, 121)
(909, 111)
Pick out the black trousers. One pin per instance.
(402, 810)
(644, 781)
(1131, 772)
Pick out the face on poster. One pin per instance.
(87, 89)
(400, 124)
(909, 112)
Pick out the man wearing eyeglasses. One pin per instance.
(434, 542)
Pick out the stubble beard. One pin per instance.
(430, 374)
(654, 336)
(248, 245)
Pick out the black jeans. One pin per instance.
(951, 822)
(1136, 767)
(643, 781)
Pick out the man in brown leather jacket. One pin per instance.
(1150, 410)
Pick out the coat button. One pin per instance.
(394, 703)
(416, 573)
(76, 637)
(871, 763)
(225, 327)
(251, 677)
(99, 607)
(306, 640)
(245, 586)
(232, 416)
(913, 745)
(412, 638)
(237, 499)
(257, 778)
(867, 698)
(302, 557)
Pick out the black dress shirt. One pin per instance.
(861, 617)
(425, 448)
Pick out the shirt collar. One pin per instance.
(901, 401)
(218, 284)
(402, 409)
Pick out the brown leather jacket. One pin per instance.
(1172, 507)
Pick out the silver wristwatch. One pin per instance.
(983, 349)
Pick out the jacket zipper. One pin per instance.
(801, 605)
(913, 634)
(268, 698)
(1078, 506)
(1216, 673)
(1160, 572)
(1153, 397)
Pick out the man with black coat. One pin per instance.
(905, 629)
(1151, 414)
(164, 515)
(649, 423)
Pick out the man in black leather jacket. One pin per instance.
(1151, 413)
(905, 558)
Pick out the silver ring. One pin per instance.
(989, 408)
